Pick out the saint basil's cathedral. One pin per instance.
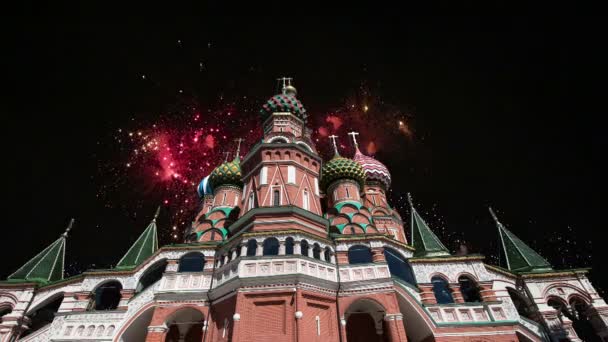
(287, 247)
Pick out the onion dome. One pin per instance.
(228, 173)
(204, 187)
(285, 102)
(341, 168)
(374, 170)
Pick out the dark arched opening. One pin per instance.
(580, 320)
(107, 296)
(5, 310)
(186, 325)
(289, 246)
(252, 247)
(316, 251)
(359, 254)
(271, 246)
(44, 315)
(304, 247)
(192, 262)
(469, 289)
(365, 322)
(399, 267)
(441, 289)
(521, 303)
(151, 276)
(327, 254)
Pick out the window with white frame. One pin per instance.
(316, 181)
(264, 175)
(291, 174)
(305, 203)
(276, 196)
(251, 200)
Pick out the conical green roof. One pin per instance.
(47, 266)
(424, 240)
(341, 168)
(144, 246)
(228, 173)
(520, 257)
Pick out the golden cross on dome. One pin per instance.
(354, 135)
(238, 146)
(226, 155)
(333, 139)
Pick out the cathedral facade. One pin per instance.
(287, 247)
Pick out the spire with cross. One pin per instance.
(333, 140)
(286, 87)
(354, 135)
(226, 155)
(238, 147)
(67, 230)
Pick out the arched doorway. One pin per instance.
(107, 296)
(365, 322)
(185, 325)
(138, 328)
(43, 315)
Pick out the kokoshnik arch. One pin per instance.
(287, 247)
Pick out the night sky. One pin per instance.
(118, 114)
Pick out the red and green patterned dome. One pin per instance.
(286, 102)
(228, 173)
(341, 168)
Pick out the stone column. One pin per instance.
(395, 327)
(378, 254)
(125, 297)
(456, 294)
(156, 333)
(243, 249)
(260, 250)
(225, 256)
(486, 292)
(234, 254)
(427, 296)
(83, 300)
(332, 257)
(172, 266)
(297, 249)
(281, 247)
(342, 257)
(322, 255)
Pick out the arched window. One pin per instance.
(251, 201)
(316, 251)
(398, 266)
(151, 276)
(107, 296)
(5, 310)
(289, 246)
(359, 254)
(304, 247)
(212, 237)
(469, 289)
(192, 262)
(327, 254)
(276, 197)
(252, 246)
(43, 315)
(347, 192)
(521, 303)
(443, 295)
(271, 246)
(352, 230)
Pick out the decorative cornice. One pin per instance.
(366, 237)
(446, 259)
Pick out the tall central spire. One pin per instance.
(238, 147)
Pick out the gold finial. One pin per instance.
(354, 135)
(286, 87)
(333, 139)
(67, 230)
